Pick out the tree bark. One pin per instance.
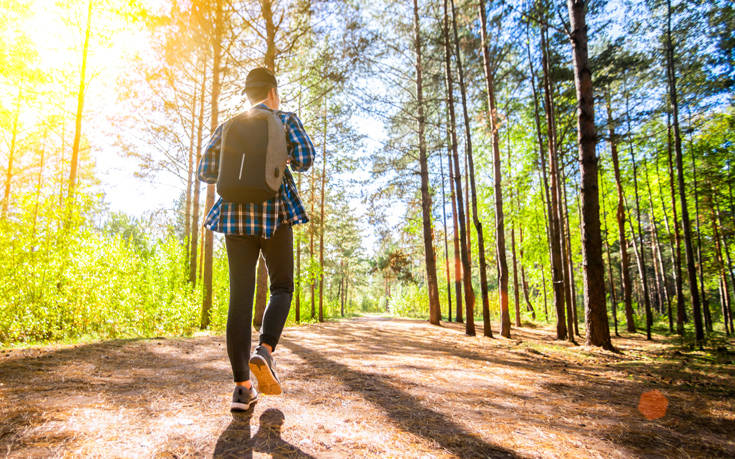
(500, 259)
(691, 270)
(469, 294)
(446, 240)
(322, 216)
(554, 224)
(214, 122)
(613, 300)
(640, 255)
(190, 179)
(598, 331)
(455, 230)
(429, 254)
(80, 105)
(11, 153)
(197, 188)
(620, 215)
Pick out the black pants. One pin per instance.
(242, 254)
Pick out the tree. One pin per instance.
(598, 332)
(429, 254)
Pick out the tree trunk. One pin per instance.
(543, 171)
(613, 300)
(39, 183)
(726, 309)
(446, 241)
(190, 179)
(705, 306)
(554, 224)
(682, 192)
(620, 215)
(725, 267)
(455, 228)
(662, 287)
(11, 153)
(80, 105)
(197, 188)
(429, 254)
(641, 256)
(598, 331)
(469, 294)
(297, 311)
(516, 290)
(261, 292)
(321, 215)
(214, 122)
(499, 218)
(312, 277)
(567, 252)
(529, 306)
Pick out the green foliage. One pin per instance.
(68, 280)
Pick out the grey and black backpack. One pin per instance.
(253, 156)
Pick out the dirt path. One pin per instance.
(368, 387)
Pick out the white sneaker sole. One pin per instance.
(237, 406)
(267, 383)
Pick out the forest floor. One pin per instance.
(372, 387)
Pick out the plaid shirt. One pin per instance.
(260, 219)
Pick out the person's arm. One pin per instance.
(300, 149)
(208, 169)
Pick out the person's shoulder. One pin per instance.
(285, 116)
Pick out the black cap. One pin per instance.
(260, 77)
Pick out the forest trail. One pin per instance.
(368, 387)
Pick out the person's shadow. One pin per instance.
(235, 440)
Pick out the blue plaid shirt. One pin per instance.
(260, 219)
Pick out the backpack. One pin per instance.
(253, 156)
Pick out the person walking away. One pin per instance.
(251, 228)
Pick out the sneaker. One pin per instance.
(263, 367)
(243, 398)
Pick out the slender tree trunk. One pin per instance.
(446, 241)
(624, 262)
(613, 300)
(189, 176)
(214, 122)
(11, 153)
(691, 270)
(566, 235)
(542, 170)
(39, 182)
(312, 277)
(554, 223)
(662, 287)
(455, 231)
(726, 309)
(598, 330)
(500, 259)
(197, 188)
(726, 268)
(469, 294)
(297, 312)
(529, 306)
(80, 105)
(681, 312)
(426, 208)
(641, 256)
(516, 290)
(321, 215)
(705, 306)
(297, 234)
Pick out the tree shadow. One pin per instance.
(235, 440)
(405, 410)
